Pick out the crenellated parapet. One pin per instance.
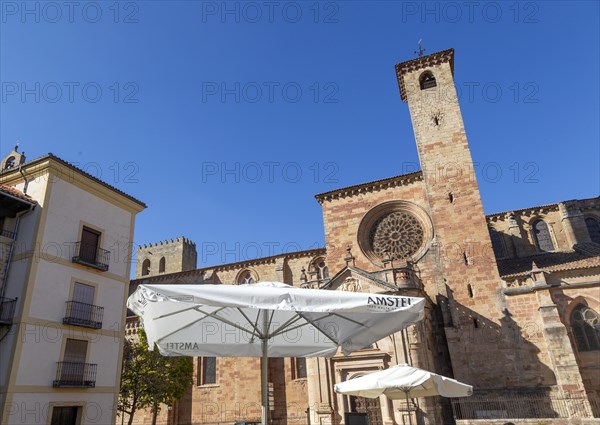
(166, 256)
(178, 240)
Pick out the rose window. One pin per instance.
(397, 236)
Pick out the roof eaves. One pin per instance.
(80, 171)
(402, 179)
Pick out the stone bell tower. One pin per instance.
(467, 276)
(169, 256)
(13, 159)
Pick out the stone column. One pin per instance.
(420, 359)
(573, 223)
(518, 242)
(278, 272)
(320, 403)
(386, 407)
(340, 398)
(564, 364)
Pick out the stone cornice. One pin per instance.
(401, 180)
(505, 215)
(265, 260)
(421, 63)
(526, 289)
(310, 253)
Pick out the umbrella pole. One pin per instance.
(408, 407)
(264, 389)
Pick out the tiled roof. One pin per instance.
(16, 193)
(550, 261)
(369, 186)
(80, 171)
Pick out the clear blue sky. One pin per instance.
(226, 120)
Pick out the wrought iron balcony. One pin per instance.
(91, 255)
(71, 374)
(7, 310)
(82, 314)
(7, 234)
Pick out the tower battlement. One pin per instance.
(178, 240)
(166, 256)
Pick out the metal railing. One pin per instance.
(71, 374)
(7, 310)
(8, 234)
(82, 314)
(516, 407)
(91, 255)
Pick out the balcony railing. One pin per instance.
(82, 314)
(91, 255)
(516, 407)
(7, 310)
(71, 374)
(7, 234)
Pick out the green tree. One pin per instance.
(149, 379)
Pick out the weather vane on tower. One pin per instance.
(420, 51)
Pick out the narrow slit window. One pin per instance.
(299, 367)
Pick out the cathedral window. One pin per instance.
(394, 232)
(497, 243)
(397, 235)
(585, 324)
(299, 367)
(427, 80)
(206, 371)
(542, 236)
(146, 267)
(161, 265)
(593, 228)
(246, 277)
(320, 269)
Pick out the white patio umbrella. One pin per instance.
(268, 319)
(404, 381)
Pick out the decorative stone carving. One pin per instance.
(349, 258)
(512, 220)
(351, 284)
(398, 235)
(517, 283)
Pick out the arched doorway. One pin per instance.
(364, 411)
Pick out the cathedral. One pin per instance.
(513, 298)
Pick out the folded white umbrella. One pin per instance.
(268, 319)
(404, 381)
